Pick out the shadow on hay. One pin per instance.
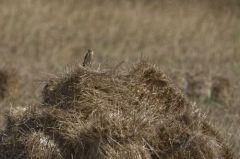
(91, 114)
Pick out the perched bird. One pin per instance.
(88, 58)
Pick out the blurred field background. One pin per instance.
(40, 38)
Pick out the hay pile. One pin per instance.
(90, 115)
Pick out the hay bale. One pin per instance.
(90, 115)
(8, 83)
(39, 146)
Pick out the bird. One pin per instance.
(88, 58)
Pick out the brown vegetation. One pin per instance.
(42, 37)
(3, 84)
(197, 86)
(8, 83)
(221, 89)
(92, 114)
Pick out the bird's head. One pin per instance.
(90, 50)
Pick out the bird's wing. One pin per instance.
(86, 57)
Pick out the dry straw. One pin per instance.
(90, 114)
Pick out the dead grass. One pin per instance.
(8, 90)
(42, 37)
(94, 114)
(8, 83)
(3, 84)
